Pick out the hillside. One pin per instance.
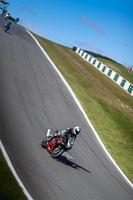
(109, 108)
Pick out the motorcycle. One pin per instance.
(56, 146)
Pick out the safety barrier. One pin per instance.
(124, 84)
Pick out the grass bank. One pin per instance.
(109, 108)
(9, 187)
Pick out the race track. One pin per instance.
(33, 99)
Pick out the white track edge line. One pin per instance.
(14, 172)
(86, 117)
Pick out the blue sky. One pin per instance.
(104, 27)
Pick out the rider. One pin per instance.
(7, 15)
(17, 20)
(8, 24)
(69, 134)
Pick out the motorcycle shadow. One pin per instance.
(8, 33)
(63, 159)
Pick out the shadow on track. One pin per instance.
(65, 161)
(8, 33)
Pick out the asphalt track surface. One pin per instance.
(33, 99)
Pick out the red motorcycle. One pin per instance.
(57, 145)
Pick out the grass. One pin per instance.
(109, 108)
(8, 184)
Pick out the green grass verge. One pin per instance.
(8, 184)
(109, 108)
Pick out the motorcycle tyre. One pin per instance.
(59, 153)
(43, 144)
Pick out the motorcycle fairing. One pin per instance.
(54, 142)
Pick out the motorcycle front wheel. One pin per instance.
(57, 151)
(43, 143)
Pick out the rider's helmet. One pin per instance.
(76, 130)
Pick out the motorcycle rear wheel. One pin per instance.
(57, 151)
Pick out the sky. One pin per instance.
(101, 26)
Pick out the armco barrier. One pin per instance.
(124, 84)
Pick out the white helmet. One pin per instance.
(76, 130)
